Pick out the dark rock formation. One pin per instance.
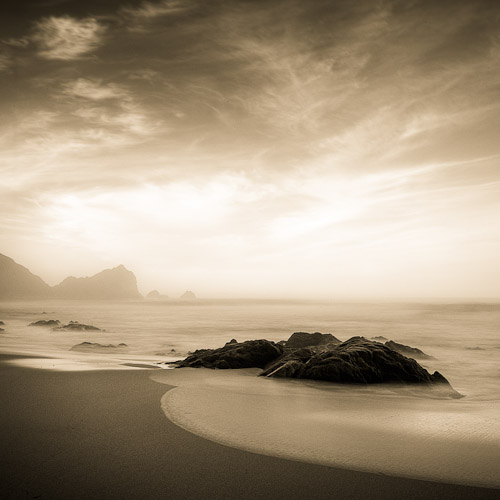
(2, 323)
(17, 282)
(2, 329)
(406, 350)
(304, 339)
(356, 361)
(116, 283)
(46, 322)
(249, 354)
(75, 326)
(188, 295)
(291, 363)
(95, 346)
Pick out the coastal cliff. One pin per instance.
(19, 283)
(116, 283)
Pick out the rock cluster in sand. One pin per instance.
(320, 356)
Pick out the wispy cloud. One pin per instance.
(5, 62)
(67, 38)
(148, 10)
(110, 107)
(17, 42)
(94, 90)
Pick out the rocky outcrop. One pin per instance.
(355, 361)
(17, 282)
(95, 346)
(304, 339)
(117, 283)
(77, 327)
(291, 364)
(188, 295)
(406, 350)
(249, 354)
(52, 323)
(2, 323)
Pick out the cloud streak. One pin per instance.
(66, 38)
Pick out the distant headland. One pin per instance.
(18, 282)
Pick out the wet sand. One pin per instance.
(103, 435)
(404, 431)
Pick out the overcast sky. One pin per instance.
(318, 149)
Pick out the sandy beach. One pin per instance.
(103, 435)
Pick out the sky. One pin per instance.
(237, 148)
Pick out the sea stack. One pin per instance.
(188, 295)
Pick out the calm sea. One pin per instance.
(464, 339)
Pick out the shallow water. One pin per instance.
(387, 429)
(464, 339)
(372, 428)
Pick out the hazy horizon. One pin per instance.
(276, 149)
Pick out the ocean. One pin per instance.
(464, 339)
(367, 428)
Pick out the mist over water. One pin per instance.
(369, 428)
(464, 339)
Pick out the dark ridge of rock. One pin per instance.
(188, 295)
(379, 338)
(249, 354)
(18, 282)
(355, 361)
(232, 341)
(304, 339)
(75, 326)
(2, 323)
(406, 350)
(46, 322)
(288, 369)
(2, 329)
(291, 364)
(117, 283)
(95, 346)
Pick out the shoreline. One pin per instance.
(103, 434)
(368, 429)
